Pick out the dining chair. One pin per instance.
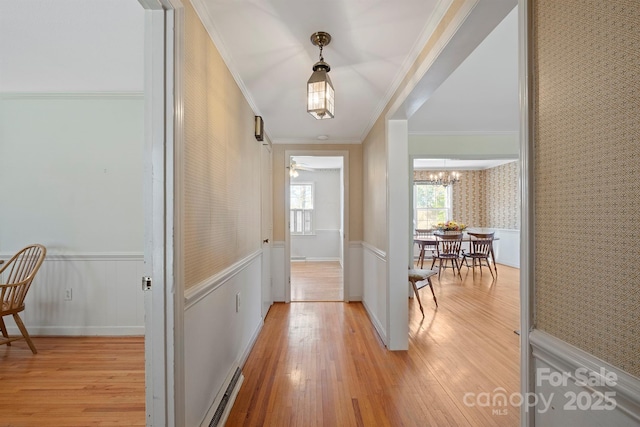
(423, 277)
(16, 277)
(448, 249)
(423, 233)
(480, 248)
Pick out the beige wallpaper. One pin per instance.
(221, 162)
(374, 200)
(469, 199)
(502, 196)
(486, 198)
(586, 92)
(355, 185)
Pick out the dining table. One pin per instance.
(430, 242)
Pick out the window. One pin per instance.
(301, 209)
(432, 204)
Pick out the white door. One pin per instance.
(267, 226)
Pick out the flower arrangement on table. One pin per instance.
(450, 226)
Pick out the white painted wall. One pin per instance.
(374, 288)
(481, 146)
(575, 389)
(71, 46)
(71, 141)
(507, 248)
(326, 243)
(218, 335)
(107, 298)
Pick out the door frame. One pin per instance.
(345, 215)
(527, 212)
(266, 207)
(164, 306)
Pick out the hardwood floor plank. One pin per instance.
(73, 381)
(314, 364)
(332, 369)
(317, 281)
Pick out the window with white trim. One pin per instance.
(301, 208)
(431, 204)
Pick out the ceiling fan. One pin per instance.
(294, 167)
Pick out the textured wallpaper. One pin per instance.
(586, 94)
(486, 198)
(221, 200)
(502, 196)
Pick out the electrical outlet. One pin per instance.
(238, 302)
(68, 294)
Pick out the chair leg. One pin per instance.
(489, 267)
(25, 334)
(439, 268)
(3, 328)
(415, 291)
(433, 293)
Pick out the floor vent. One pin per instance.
(225, 399)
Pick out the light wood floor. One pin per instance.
(322, 364)
(73, 381)
(313, 364)
(316, 281)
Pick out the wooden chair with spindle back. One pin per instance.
(424, 233)
(448, 249)
(480, 246)
(16, 277)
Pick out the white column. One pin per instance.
(397, 233)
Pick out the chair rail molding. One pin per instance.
(595, 392)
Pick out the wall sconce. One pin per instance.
(320, 93)
(259, 128)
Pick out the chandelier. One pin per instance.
(444, 179)
(320, 94)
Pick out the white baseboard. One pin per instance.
(76, 331)
(376, 323)
(585, 390)
(319, 259)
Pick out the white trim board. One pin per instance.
(204, 288)
(567, 359)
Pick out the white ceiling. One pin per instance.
(266, 45)
(481, 95)
(319, 162)
(456, 164)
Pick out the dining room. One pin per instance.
(480, 195)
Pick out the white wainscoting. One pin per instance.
(324, 245)
(507, 249)
(106, 296)
(277, 271)
(355, 276)
(571, 379)
(210, 311)
(374, 291)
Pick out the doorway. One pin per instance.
(315, 230)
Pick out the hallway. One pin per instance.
(324, 364)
